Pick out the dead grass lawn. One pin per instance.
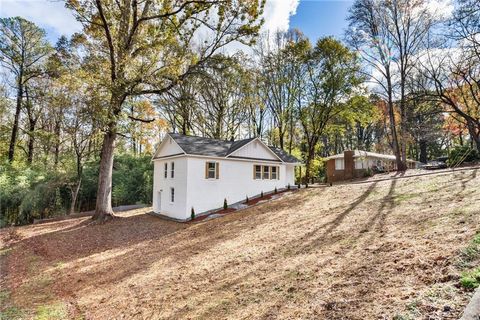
(370, 251)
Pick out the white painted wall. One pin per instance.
(235, 183)
(168, 147)
(162, 185)
(254, 149)
(193, 190)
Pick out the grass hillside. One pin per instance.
(402, 249)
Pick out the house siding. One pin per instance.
(161, 188)
(254, 149)
(234, 184)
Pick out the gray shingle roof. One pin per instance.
(282, 154)
(219, 148)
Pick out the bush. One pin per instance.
(457, 154)
(246, 199)
(288, 186)
(225, 204)
(368, 173)
(261, 194)
(192, 215)
(471, 280)
(275, 191)
(28, 193)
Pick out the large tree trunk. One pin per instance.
(474, 130)
(13, 139)
(396, 146)
(103, 208)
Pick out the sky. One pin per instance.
(316, 18)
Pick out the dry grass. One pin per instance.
(370, 251)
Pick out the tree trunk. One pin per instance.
(57, 142)
(103, 208)
(423, 151)
(31, 128)
(31, 140)
(396, 146)
(75, 190)
(13, 139)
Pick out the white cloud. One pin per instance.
(277, 14)
(50, 15)
(58, 20)
(440, 9)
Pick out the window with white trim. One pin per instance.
(165, 170)
(172, 195)
(339, 164)
(172, 169)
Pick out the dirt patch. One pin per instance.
(370, 251)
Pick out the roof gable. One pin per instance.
(167, 148)
(192, 145)
(254, 149)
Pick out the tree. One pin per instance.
(223, 104)
(389, 35)
(22, 49)
(146, 47)
(331, 76)
(279, 68)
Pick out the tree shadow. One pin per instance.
(312, 239)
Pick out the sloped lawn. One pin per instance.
(385, 249)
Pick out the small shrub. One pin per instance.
(261, 194)
(246, 199)
(288, 186)
(275, 191)
(306, 185)
(461, 154)
(298, 186)
(225, 204)
(368, 173)
(470, 280)
(192, 215)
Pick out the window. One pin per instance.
(266, 172)
(172, 169)
(257, 172)
(339, 165)
(165, 170)
(360, 163)
(212, 170)
(274, 175)
(172, 194)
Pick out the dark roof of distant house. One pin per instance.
(220, 148)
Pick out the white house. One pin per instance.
(194, 172)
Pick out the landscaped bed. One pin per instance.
(244, 205)
(398, 249)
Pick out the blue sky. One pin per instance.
(319, 18)
(316, 18)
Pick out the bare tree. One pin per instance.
(389, 35)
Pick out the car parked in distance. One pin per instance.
(435, 165)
